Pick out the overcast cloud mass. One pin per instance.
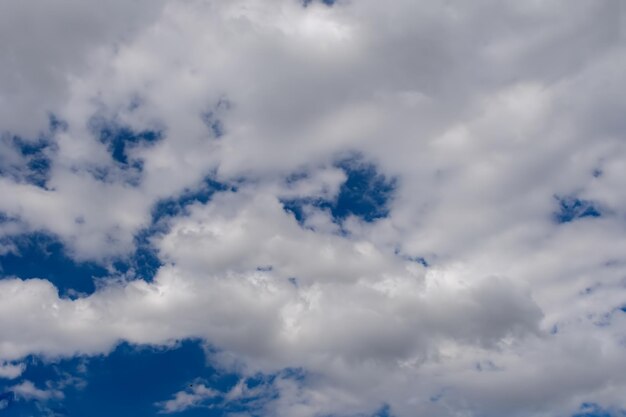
(350, 208)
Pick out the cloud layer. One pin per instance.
(417, 205)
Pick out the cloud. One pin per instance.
(11, 370)
(470, 262)
(44, 52)
(28, 391)
(356, 311)
(183, 400)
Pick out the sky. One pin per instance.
(312, 208)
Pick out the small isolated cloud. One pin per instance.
(28, 391)
(11, 370)
(193, 396)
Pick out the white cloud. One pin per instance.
(183, 400)
(11, 370)
(47, 43)
(28, 391)
(484, 112)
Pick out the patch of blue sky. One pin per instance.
(32, 160)
(620, 309)
(136, 380)
(214, 124)
(329, 3)
(119, 139)
(43, 255)
(420, 260)
(384, 411)
(366, 194)
(37, 160)
(595, 410)
(34, 155)
(297, 207)
(145, 262)
(571, 208)
(606, 318)
(7, 400)
(56, 124)
(417, 259)
(129, 381)
(40, 255)
(174, 206)
(211, 118)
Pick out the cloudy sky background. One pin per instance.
(277, 208)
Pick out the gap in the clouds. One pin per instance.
(297, 207)
(571, 208)
(417, 259)
(31, 162)
(215, 125)
(384, 411)
(138, 377)
(329, 3)
(175, 206)
(365, 194)
(142, 380)
(420, 260)
(554, 329)
(38, 163)
(596, 410)
(144, 262)
(41, 255)
(44, 255)
(211, 118)
(121, 140)
(130, 380)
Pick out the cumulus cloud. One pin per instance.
(48, 43)
(11, 370)
(28, 391)
(471, 292)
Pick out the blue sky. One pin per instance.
(312, 208)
